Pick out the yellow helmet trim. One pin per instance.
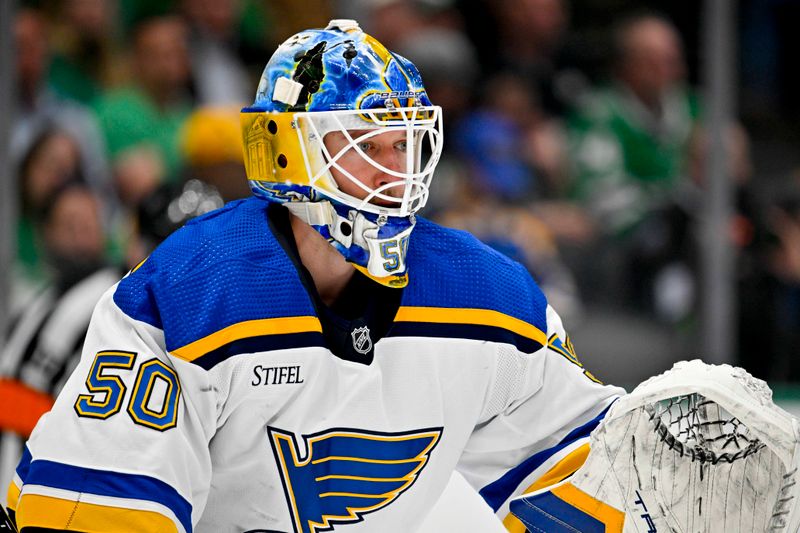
(269, 156)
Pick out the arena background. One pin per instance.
(640, 158)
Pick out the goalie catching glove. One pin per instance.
(700, 448)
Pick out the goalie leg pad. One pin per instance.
(567, 509)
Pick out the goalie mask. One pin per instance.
(343, 134)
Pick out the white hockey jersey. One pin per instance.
(206, 399)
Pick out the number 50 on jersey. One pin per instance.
(153, 402)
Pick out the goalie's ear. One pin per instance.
(700, 448)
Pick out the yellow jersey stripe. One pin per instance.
(143, 261)
(56, 513)
(565, 467)
(243, 330)
(478, 317)
(12, 496)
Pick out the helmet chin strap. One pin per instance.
(376, 245)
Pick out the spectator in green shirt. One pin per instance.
(149, 112)
(629, 140)
(86, 50)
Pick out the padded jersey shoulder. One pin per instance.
(451, 269)
(222, 285)
(221, 269)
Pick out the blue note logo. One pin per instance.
(344, 474)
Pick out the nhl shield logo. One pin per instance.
(362, 343)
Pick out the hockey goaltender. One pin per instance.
(319, 356)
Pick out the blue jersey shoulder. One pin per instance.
(220, 269)
(452, 269)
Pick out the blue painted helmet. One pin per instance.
(325, 97)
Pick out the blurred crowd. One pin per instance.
(579, 151)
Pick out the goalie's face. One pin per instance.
(370, 166)
(315, 132)
(378, 161)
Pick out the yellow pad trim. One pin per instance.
(565, 467)
(611, 517)
(243, 330)
(479, 317)
(45, 511)
(12, 496)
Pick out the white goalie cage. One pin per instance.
(407, 193)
